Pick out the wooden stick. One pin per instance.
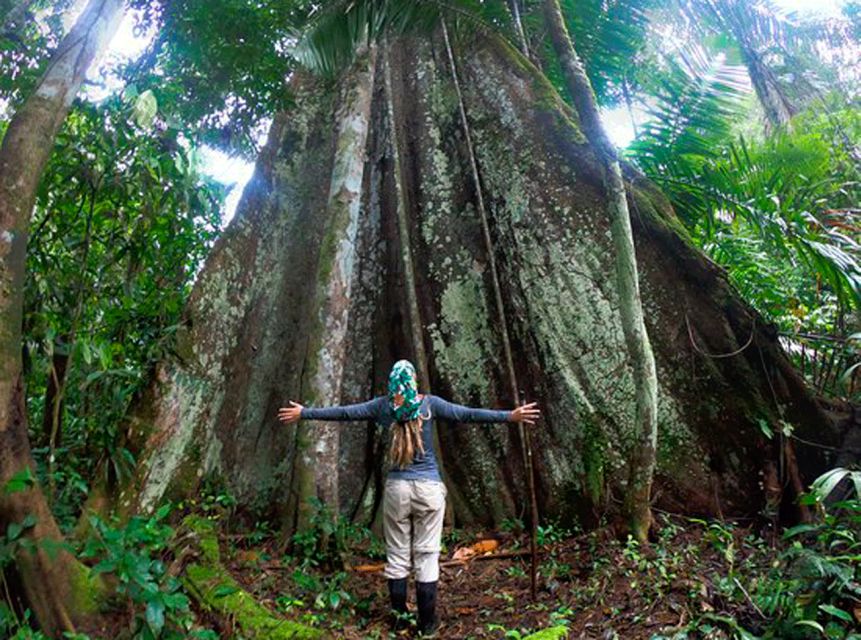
(488, 556)
(502, 555)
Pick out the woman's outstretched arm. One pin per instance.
(527, 413)
(361, 411)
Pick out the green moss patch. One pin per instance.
(551, 633)
(208, 582)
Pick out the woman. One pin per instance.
(414, 492)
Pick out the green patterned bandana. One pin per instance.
(403, 391)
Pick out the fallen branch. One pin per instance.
(489, 556)
(373, 568)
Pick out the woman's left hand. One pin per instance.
(291, 413)
(527, 413)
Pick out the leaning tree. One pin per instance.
(54, 583)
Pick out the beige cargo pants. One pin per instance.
(413, 513)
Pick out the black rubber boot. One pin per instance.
(426, 600)
(398, 596)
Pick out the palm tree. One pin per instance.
(689, 148)
(759, 32)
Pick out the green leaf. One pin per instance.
(836, 612)
(799, 529)
(155, 616)
(21, 481)
(224, 590)
(825, 484)
(811, 623)
(765, 428)
(145, 109)
(15, 529)
(163, 511)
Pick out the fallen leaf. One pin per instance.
(249, 556)
(486, 546)
(480, 547)
(463, 553)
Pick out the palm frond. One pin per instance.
(780, 189)
(696, 103)
(758, 24)
(335, 33)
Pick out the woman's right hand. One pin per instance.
(527, 413)
(291, 413)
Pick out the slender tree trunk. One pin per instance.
(53, 404)
(50, 576)
(514, 10)
(317, 462)
(642, 460)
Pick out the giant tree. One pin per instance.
(252, 325)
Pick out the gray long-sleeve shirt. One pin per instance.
(423, 467)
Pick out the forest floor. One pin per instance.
(695, 578)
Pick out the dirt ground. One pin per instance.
(595, 585)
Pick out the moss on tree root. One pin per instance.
(551, 633)
(208, 582)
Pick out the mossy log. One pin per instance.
(257, 306)
(218, 593)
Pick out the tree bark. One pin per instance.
(316, 470)
(53, 408)
(52, 585)
(642, 361)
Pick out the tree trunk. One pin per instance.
(255, 311)
(778, 109)
(516, 19)
(52, 585)
(636, 504)
(53, 409)
(316, 470)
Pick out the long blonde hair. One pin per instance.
(407, 441)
